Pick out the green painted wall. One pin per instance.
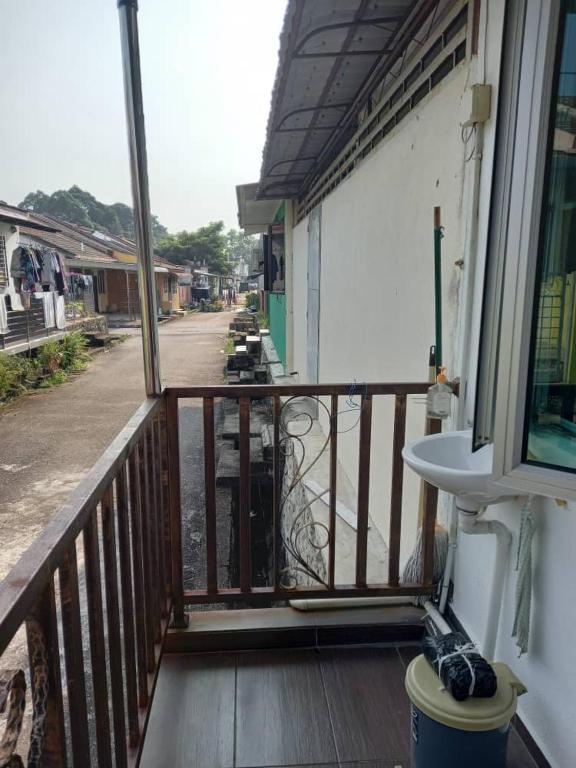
(277, 317)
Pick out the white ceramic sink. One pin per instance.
(446, 461)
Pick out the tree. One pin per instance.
(239, 246)
(206, 245)
(77, 206)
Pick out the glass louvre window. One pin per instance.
(550, 424)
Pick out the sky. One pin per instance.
(208, 68)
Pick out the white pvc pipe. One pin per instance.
(439, 620)
(332, 603)
(470, 524)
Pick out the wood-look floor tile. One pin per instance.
(281, 712)
(192, 717)
(518, 755)
(409, 652)
(368, 704)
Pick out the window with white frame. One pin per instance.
(526, 393)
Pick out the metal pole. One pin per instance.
(128, 11)
(438, 285)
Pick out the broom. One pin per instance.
(412, 573)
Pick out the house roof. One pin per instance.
(71, 246)
(254, 216)
(332, 53)
(21, 217)
(85, 247)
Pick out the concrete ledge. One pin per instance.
(287, 628)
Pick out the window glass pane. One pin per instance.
(550, 432)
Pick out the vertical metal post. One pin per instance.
(128, 11)
(438, 286)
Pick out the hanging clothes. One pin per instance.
(30, 266)
(47, 299)
(60, 311)
(3, 316)
(59, 273)
(15, 300)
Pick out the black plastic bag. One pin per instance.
(461, 668)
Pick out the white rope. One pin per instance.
(523, 598)
(463, 651)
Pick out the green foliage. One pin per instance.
(252, 301)
(262, 319)
(73, 350)
(58, 377)
(16, 374)
(51, 366)
(206, 245)
(80, 207)
(239, 246)
(49, 357)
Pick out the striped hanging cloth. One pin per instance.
(523, 602)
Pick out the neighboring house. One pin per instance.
(366, 137)
(266, 217)
(28, 317)
(102, 269)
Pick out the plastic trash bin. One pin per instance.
(446, 733)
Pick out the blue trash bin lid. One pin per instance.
(426, 692)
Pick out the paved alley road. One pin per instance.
(49, 439)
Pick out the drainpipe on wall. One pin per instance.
(128, 12)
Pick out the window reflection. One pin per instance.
(550, 436)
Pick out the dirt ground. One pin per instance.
(50, 438)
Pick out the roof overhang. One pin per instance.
(332, 54)
(24, 219)
(255, 216)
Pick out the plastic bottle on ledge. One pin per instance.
(439, 399)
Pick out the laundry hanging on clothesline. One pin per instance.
(41, 268)
(60, 311)
(3, 316)
(47, 299)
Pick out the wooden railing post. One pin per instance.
(333, 488)
(74, 656)
(363, 489)
(179, 618)
(210, 495)
(244, 537)
(396, 490)
(42, 636)
(97, 640)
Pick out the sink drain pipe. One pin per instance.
(471, 524)
(327, 604)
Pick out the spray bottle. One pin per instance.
(439, 399)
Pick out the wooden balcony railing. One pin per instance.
(106, 575)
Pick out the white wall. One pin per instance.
(548, 669)
(300, 299)
(12, 239)
(377, 277)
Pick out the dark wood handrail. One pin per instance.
(301, 390)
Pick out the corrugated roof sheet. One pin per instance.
(330, 52)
